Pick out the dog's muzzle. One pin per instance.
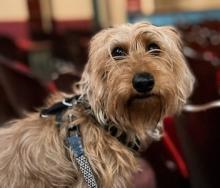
(143, 82)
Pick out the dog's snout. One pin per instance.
(143, 82)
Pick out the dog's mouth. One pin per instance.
(145, 96)
(142, 97)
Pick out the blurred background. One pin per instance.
(44, 47)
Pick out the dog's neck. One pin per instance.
(58, 109)
(114, 128)
(109, 126)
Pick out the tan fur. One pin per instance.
(32, 149)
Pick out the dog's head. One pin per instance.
(136, 74)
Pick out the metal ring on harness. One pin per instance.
(67, 103)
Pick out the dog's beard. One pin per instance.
(145, 109)
(136, 112)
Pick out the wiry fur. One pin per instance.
(32, 149)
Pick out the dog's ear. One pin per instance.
(99, 39)
(175, 35)
(184, 78)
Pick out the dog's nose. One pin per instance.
(143, 82)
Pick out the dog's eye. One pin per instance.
(118, 53)
(153, 49)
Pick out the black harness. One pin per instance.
(59, 108)
(74, 140)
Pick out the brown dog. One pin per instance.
(136, 75)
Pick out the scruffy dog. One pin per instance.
(136, 74)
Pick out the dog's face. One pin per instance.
(136, 74)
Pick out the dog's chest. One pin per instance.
(112, 163)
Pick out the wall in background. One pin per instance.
(72, 9)
(66, 14)
(13, 17)
(16, 10)
(13, 10)
(185, 5)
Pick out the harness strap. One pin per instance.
(74, 142)
(73, 139)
